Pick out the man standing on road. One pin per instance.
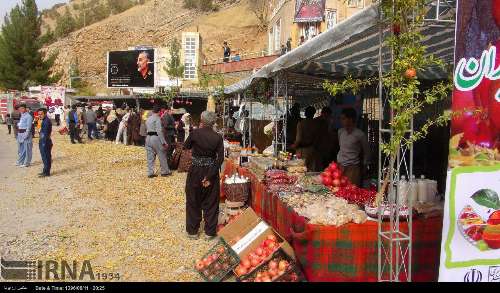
(168, 123)
(91, 118)
(156, 144)
(24, 138)
(72, 122)
(45, 143)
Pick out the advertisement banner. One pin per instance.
(131, 69)
(471, 226)
(309, 10)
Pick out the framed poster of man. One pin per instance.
(131, 69)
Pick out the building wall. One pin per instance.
(289, 29)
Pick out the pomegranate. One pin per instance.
(272, 246)
(246, 263)
(259, 251)
(336, 183)
(199, 265)
(283, 265)
(240, 271)
(410, 73)
(336, 175)
(273, 264)
(327, 181)
(273, 272)
(272, 237)
(254, 262)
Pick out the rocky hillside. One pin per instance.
(156, 23)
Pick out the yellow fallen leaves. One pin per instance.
(120, 219)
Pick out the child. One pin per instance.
(10, 122)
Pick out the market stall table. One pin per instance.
(345, 253)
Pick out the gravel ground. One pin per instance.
(100, 206)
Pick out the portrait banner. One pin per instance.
(131, 69)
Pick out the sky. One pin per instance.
(7, 5)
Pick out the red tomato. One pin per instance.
(410, 73)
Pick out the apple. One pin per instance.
(272, 246)
(254, 262)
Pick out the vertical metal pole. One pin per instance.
(380, 137)
(250, 120)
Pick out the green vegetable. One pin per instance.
(487, 198)
(454, 152)
(481, 157)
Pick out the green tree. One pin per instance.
(65, 24)
(174, 66)
(21, 61)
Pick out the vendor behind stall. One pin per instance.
(353, 146)
(307, 140)
(328, 144)
(293, 120)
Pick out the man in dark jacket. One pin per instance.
(168, 123)
(72, 121)
(45, 142)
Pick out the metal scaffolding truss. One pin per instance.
(395, 245)
(280, 112)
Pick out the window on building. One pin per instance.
(277, 35)
(331, 18)
(190, 58)
(309, 30)
(356, 3)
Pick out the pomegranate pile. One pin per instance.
(217, 263)
(333, 178)
(257, 256)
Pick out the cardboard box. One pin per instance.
(248, 231)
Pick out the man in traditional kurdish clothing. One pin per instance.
(24, 137)
(156, 145)
(202, 183)
(45, 143)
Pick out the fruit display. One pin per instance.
(217, 263)
(279, 177)
(258, 256)
(483, 234)
(279, 268)
(333, 178)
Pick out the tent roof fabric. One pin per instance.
(352, 47)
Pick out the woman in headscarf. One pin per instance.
(202, 184)
(111, 123)
(184, 128)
